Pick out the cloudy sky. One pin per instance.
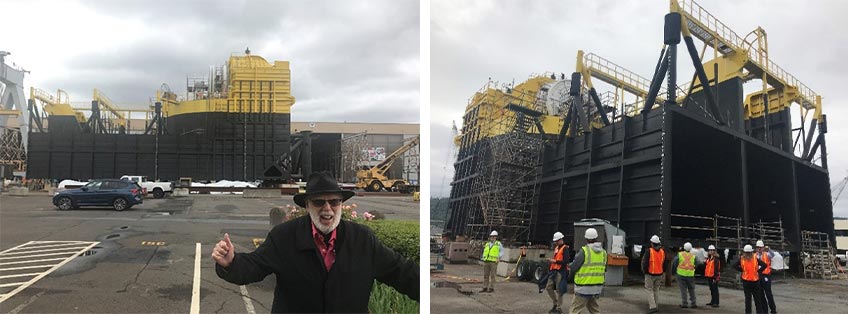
(350, 60)
(472, 41)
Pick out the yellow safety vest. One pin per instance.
(591, 273)
(491, 251)
(686, 264)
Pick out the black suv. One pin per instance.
(119, 194)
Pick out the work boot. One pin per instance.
(491, 289)
(484, 290)
(694, 306)
(553, 309)
(651, 311)
(684, 306)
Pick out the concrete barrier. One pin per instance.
(18, 191)
(261, 193)
(180, 192)
(506, 269)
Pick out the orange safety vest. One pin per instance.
(749, 269)
(557, 258)
(655, 264)
(764, 257)
(709, 271)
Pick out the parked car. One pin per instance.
(120, 194)
(159, 189)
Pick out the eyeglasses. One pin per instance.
(318, 202)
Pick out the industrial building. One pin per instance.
(703, 162)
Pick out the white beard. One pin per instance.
(316, 221)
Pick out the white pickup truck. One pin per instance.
(157, 188)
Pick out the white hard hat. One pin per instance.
(591, 234)
(558, 235)
(748, 248)
(711, 247)
(655, 239)
(687, 246)
(493, 234)
(760, 243)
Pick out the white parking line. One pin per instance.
(195, 290)
(29, 247)
(248, 304)
(34, 261)
(37, 255)
(40, 251)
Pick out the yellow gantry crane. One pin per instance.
(374, 179)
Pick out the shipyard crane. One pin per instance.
(747, 58)
(12, 98)
(115, 120)
(375, 179)
(54, 106)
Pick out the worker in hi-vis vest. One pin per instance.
(492, 252)
(653, 266)
(588, 270)
(751, 268)
(684, 265)
(712, 271)
(765, 255)
(558, 272)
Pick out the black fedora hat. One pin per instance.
(321, 183)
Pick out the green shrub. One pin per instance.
(385, 299)
(402, 237)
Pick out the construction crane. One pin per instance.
(374, 179)
(115, 119)
(54, 106)
(837, 189)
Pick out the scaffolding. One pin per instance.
(724, 231)
(819, 256)
(353, 147)
(504, 164)
(12, 152)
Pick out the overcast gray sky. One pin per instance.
(508, 40)
(350, 60)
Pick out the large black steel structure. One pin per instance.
(203, 146)
(669, 168)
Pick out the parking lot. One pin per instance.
(142, 259)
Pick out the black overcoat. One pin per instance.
(304, 285)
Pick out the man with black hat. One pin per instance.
(322, 263)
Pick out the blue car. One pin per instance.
(119, 194)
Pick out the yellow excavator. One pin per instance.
(374, 179)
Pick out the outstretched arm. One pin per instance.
(244, 268)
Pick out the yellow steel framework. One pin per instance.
(117, 118)
(56, 106)
(488, 107)
(590, 66)
(747, 57)
(252, 85)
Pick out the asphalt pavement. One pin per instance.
(144, 257)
